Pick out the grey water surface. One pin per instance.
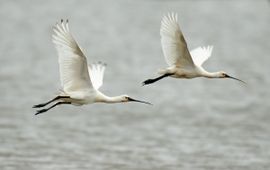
(197, 124)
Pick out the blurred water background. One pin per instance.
(197, 124)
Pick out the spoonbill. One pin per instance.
(80, 82)
(182, 63)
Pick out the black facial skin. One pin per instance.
(140, 101)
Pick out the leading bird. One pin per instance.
(182, 63)
(79, 81)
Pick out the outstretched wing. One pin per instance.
(72, 62)
(173, 43)
(96, 74)
(201, 54)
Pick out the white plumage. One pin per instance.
(173, 43)
(80, 82)
(73, 67)
(182, 63)
(96, 72)
(201, 54)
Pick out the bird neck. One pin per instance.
(211, 74)
(107, 99)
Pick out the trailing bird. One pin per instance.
(80, 82)
(182, 63)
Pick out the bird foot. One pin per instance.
(41, 111)
(146, 82)
(38, 105)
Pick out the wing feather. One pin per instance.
(201, 54)
(73, 67)
(96, 74)
(173, 43)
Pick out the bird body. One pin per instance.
(182, 63)
(80, 82)
(189, 73)
(183, 72)
(80, 97)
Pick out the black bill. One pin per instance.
(227, 76)
(140, 101)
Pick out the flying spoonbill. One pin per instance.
(80, 82)
(182, 63)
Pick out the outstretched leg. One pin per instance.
(54, 99)
(45, 110)
(150, 81)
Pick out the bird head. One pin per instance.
(126, 98)
(223, 74)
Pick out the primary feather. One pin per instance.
(173, 43)
(201, 54)
(73, 67)
(96, 72)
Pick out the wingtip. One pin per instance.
(169, 17)
(102, 63)
(210, 48)
(62, 21)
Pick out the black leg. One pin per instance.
(45, 110)
(150, 81)
(44, 104)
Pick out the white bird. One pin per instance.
(80, 82)
(182, 63)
